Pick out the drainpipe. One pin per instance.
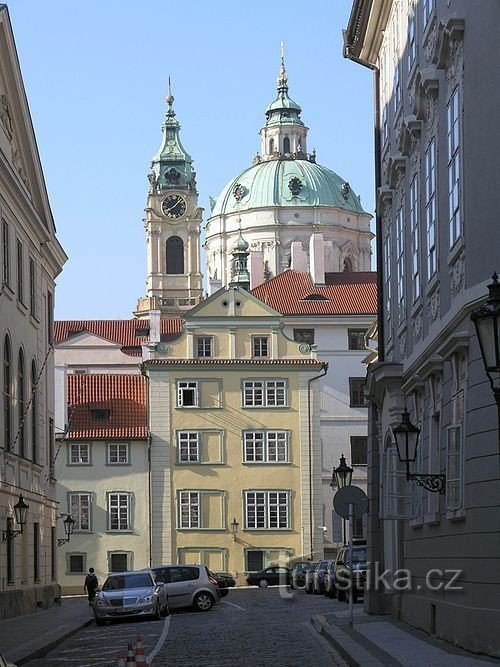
(324, 371)
(150, 531)
(348, 53)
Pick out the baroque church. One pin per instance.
(238, 437)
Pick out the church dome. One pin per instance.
(286, 182)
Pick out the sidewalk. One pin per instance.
(378, 641)
(26, 637)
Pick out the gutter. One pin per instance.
(324, 371)
(348, 52)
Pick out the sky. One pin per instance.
(96, 77)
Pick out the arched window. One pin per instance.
(271, 146)
(34, 415)
(21, 398)
(7, 415)
(347, 264)
(175, 255)
(286, 145)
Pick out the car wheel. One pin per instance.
(164, 611)
(156, 614)
(263, 583)
(203, 601)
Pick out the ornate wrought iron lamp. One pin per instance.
(342, 476)
(406, 435)
(21, 512)
(69, 526)
(234, 527)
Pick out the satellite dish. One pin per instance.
(350, 495)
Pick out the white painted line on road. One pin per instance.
(233, 605)
(160, 642)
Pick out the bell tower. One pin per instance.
(173, 226)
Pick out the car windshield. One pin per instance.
(120, 582)
(358, 556)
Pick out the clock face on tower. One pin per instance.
(173, 206)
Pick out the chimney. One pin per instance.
(317, 259)
(154, 326)
(256, 268)
(61, 398)
(298, 257)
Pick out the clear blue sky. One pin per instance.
(96, 75)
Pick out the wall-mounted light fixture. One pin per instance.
(234, 527)
(21, 512)
(69, 526)
(406, 435)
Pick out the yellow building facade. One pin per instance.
(235, 444)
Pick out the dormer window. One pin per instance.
(260, 345)
(315, 297)
(100, 414)
(142, 332)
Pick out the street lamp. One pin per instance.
(486, 319)
(234, 527)
(21, 512)
(69, 526)
(406, 435)
(342, 476)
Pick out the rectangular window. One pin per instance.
(51, 436)
(359, 444)
(267, 509)
(76, 563)
(187, 394)
(119, 511)
(356, 392)
(412, 44)
(36, 551)
(400, 263)
(385, 125)
(188, 446)
(80, 510)
(387, 277)
(32, 287)
(427, 7)
(118, 453)
(50, 318)
(265, 446)
(264, 393)
(430, 208)
(201, 509)
(356, 338)
(304, 336)
(454, 468)
(10, 553)
(79, 454)
(260, 346)
(203, 346)
(397, 88)
(5, 254)
(414, 238)
(20, 272)
(119, 561)
(454, 166)
(189, 509)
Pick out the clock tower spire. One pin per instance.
(173, 226)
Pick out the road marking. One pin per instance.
(233, 605)
(160, 642)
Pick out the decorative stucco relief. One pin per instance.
(5, 118)
(457, 274)
(430, 42)
(455, 69)
(431, 119)
(402, 344)
(417, 326)
(434, 305)
(414, 155)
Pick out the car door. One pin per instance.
(181, 585)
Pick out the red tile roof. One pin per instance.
(346, 293)
(123, 395)
(126, 333)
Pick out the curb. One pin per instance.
(43, 650)
(354, 654)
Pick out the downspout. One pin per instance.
(348, 53)
(150, 528)
(324, 371)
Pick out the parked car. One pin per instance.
(230, 580)
(309, 577)
(223, 582)
(130, 594)
(188, 586)
(270, 576)
(344, 576)
(329, 580)
(299, 574)
(318, 577)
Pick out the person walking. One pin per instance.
(90, 584)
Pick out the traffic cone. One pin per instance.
(130, 655)
(140, 658)
(120, 659)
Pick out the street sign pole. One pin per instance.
(351, 593)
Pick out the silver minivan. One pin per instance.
(188, 586)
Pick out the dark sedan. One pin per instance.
(228, 578)
(271, 576)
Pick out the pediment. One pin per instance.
(86, 339)
(231, 302)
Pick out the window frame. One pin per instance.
(415, 237)
(353, 335)
(120, 552)
(352, 389)
(20, 270)
(113, 497)
(454, 136)
(5, 253)
(355, 439)
(189, 437)
(77, 513)
(191, 385)
(430, 199)
(126, 445)
(264, 502)
(206, 350)
(266, 446)
(79, 446)
(265, 387)
(299, 337)
(261, 347)
(193, 500)
(400, 264)
(77, 554)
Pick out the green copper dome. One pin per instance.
(286, 182)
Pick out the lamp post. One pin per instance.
(69, 525)
(234, 528)
(486, 319)
(20, 512)
(342, 476)
(406, 435)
